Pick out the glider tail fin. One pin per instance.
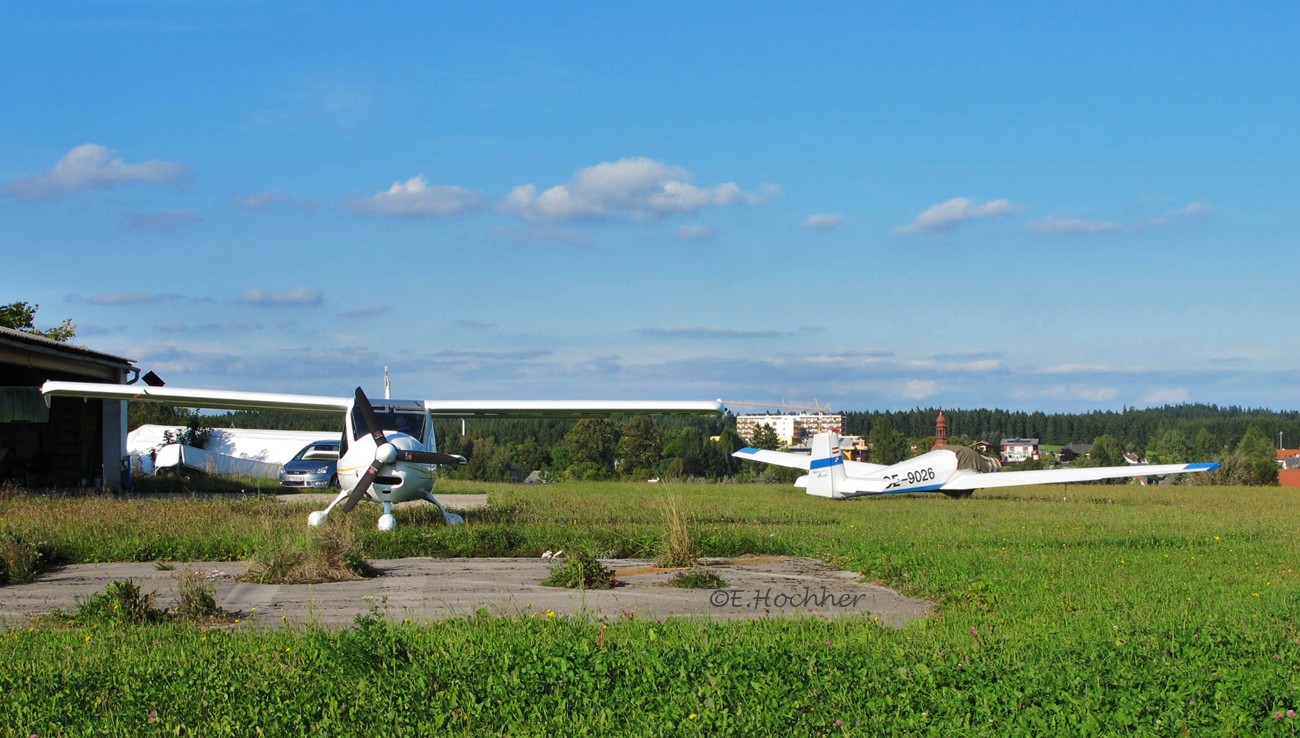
(826, 473)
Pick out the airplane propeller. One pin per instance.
(385, 452)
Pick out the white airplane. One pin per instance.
(389, 453)
(956, 471)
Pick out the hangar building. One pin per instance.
(73, 442)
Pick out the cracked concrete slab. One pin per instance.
(424, 589)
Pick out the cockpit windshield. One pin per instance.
(393, 419)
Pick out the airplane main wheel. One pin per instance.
(316, 518)
(959, 494)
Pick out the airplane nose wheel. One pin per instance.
(387, 521)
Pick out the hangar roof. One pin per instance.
(27, 358)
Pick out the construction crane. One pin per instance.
(816, 407)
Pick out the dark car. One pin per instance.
(316, 466)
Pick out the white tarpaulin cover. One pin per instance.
(236, 451)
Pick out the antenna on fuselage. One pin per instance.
(387, 384)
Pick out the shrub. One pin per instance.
(198, 596)
(329, 553)
(20, 559)
(120, 602)
(581, 570)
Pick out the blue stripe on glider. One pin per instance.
(747, 450)
(823, 463)
(904, 490)
(1208, 466)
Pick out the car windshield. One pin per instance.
(319, 452)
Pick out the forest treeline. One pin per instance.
(689, 447)
(1134, 428)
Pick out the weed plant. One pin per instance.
(329, 553)
(678, 547)
(198, 597)
(580, 570)
(698, 579)
(120, 602)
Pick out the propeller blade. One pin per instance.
(369, 419)
(430, 457)
(363, 484)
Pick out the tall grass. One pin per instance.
(1108, 610)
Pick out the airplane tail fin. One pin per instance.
(826, 472)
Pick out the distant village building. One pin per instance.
(1016, 450)
(793, 429)
(1289, 461)
(1071, 451)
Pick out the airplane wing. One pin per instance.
(223, 399)
(237, 400)
(968, 479)
(576, 408)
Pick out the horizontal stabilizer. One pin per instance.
(779, 458)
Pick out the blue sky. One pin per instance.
(871, 205)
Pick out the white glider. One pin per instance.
(955, 471)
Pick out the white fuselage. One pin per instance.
(408, 427)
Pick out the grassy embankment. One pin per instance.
(1082, 610)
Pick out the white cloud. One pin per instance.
(919, 389)
(1166, 396)
(636, 189)
(416, 198)
(948, 215)
(823, 221)
(1055, 225)
(89, 166)
(270, 199)
(131, 298)
(1058, 226)
(163, 222)
(692, 232)
(711, 332)
(366, 311)
(298, 296)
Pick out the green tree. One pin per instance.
(1253, 462)
(1205, 448)
(529, 455)
(1170, 447)
(1106, 451)
(194, 434)
(591, 446)
(685, 451)
(640, 448)
(765, 438)
(888, 446)
(22, 316)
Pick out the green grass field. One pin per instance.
(1087, 610)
